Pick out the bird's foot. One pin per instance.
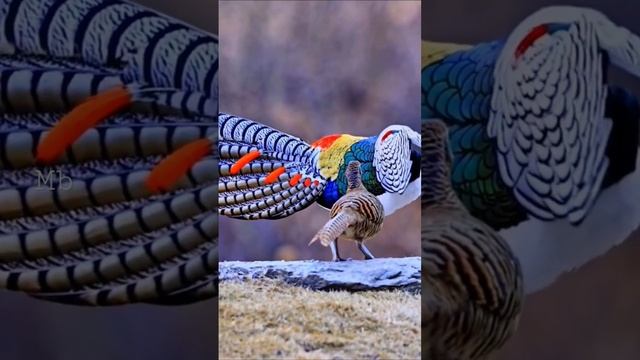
(339, 259)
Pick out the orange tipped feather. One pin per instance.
(167, 173)
(82, 118)
(295, 180)
(307, 182)
(274, 175)
(247, 158)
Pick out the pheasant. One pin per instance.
(472, 284)
(268, 174)
(358, 215)
(544, 148)
(94, 97)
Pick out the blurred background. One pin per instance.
(314, 68)
(592, 313)
(35, 329)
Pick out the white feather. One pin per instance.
(394, 201)
(549, 249)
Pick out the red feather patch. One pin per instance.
(325, 141)
(533, 35)
(387, 134)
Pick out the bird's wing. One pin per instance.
(458, 89)
(548, 108)
(264, 173)
(79, 223)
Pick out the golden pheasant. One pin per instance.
(358, 215)
(472, 283)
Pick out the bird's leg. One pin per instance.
(367, 254)
(334, 251)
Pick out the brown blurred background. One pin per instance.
(594, 312)
(314, 68)
(34, 329)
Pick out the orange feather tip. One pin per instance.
(274, 175)
(170, 170)
(243, 161)
(307, 182)
(82, 118)
(295, 180)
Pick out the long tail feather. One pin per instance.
(96, 235)
(124, 224)
(111, 141)
(333, 228)
(116, 265)
(264, 173)
(172, 283)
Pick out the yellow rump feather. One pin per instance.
(433, 51)
(332, 158)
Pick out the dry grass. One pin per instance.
(272, 320)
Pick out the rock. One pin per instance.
(352, 275)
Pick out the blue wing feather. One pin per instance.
(457, 89)
(363, 152)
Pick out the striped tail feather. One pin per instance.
(334, 228)
(76, 57)
(102, 33)
(53, 238)
(126, 135)
(146, 217)
(177, 258)
(264, 173)
(94, 233)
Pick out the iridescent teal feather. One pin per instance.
(362, 151)
(458, 90)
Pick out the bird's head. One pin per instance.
(397, 157)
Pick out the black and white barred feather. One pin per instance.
(86, 230)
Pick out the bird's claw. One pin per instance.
(339, 259)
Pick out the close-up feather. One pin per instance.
(95, 96)
(544, 143)
(472, 290)
(79, 223)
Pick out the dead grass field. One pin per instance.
(272, 320)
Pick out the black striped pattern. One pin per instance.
(472, 283)
(358, 215)
(25, 193)
(247, 194)
(29, 90)
(368, 213)
(129, 135)
(107, 33)
(234, 130)
(92, 233)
